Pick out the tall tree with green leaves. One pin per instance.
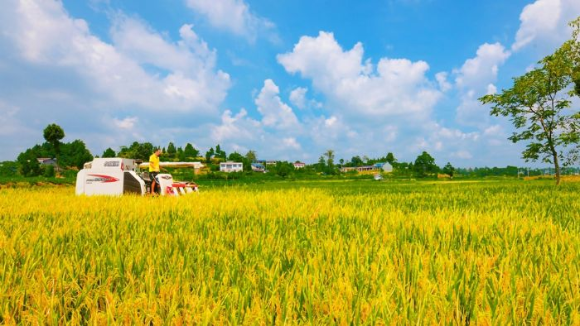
(108, 153)
(139, 151)
(208, 155)
(190, 152)
(329, 160)
(539, 106)
(220, 153)
(575, 44)
(321, 165)
(171, 150)
(391, 159)
(53, 134)
(449, 169)
(29, 166)
(425, 165)
(251, 156)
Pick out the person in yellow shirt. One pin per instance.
(154, 168)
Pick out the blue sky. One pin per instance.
(288, 79)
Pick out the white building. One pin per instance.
(231, 167)
(299, 165)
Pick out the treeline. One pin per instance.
(67, 158)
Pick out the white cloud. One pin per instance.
(464, 155)
(357, 88)
(474, 79)
(441, 78)
(236, 127)
(291, 142)
(46, 35)
(493, 130)
(298, 97)
(483, 68)
(544, 23)
(536, 19)
(66, 74)
(127, 123)
(232, 15)
(275, 113)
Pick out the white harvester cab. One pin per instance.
(119, 176)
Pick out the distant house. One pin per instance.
(358, 168)
(231, 167)
(258, 167)
(271, 162)
(299, 165)
(46, 161)
(379, 167)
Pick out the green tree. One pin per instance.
(180, 154)
(9, 168)
(321, 166)
(283, 169)
(29, 166)
(209, 154)
(391, 159)
(108, 153)
(171, 151)
(251, 156)
(575, 51)
(538, 104)
(139, 151)
(449, 169)
(53, 134)
(48, 171)
(220, 153)
(190, 152)
(356, 161)
(329, 161)
(425, 165)
(75, 154)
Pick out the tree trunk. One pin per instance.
(557, 167)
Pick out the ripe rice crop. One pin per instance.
(336, 253)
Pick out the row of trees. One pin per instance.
(67, 155)
(423, 166)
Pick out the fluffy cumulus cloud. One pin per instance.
(237, 128)
(127, 123)
(275, 113)
(298, 97)
(537, 19)
(73, 77)
(483, 68)
(277, 125)
(234, 16)
(388, 106)
(300, 100)
(474, 79)
(544, 23)
(394, 87)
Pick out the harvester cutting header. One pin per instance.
(119, 176)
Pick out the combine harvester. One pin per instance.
(120, 176)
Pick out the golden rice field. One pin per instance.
(327, 253)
